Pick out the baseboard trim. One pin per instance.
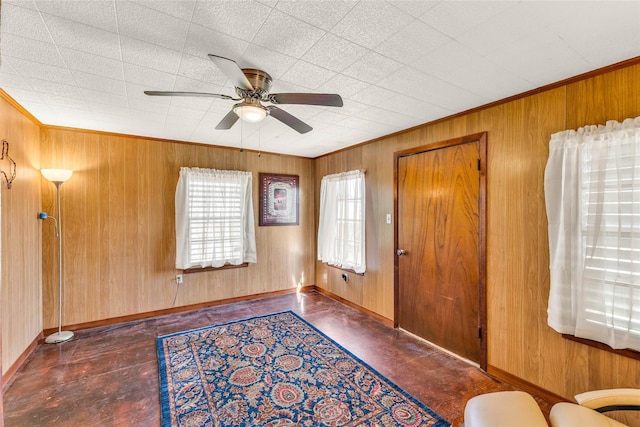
(7, 377)
(149, 314)
(386, 321)
(525, 385)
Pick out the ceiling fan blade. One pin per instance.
(200, 94)
(228, 121)
(327, 99)
(289, 120)
(233, 71)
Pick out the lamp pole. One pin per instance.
(58, 176)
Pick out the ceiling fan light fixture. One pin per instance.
(250, 113)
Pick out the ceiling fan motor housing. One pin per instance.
(260, 80)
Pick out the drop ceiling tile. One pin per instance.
(74, 117)
(151, 79)
(96, 13)
(344, 86)
(286, 34)
(454, 18)
(542, 59)
(99, 83)
(415, 40)
(92, 64)
(182, 9)
(414, 108)
(231, 17)
(36, 70)
(372, 68)
(274, 63)
(330, 117)
(178, 112)
(41, 111)
(53, 89)
(202, 41)
(23, 22)
(415, 7)
(307, 75)
(372, 95)
(446, 59)
(32, 50)
(64, 101)
(396, 120)
(142, 23)
(352, 107)
(28, 4)
(150, 55)
(77, 36)
(22, 95)
(10, 82)
(593, 42)
(334, 53)
(322, 14)
(98, 97)
(488, 80)
(430, 89)
(370, 26)
(518, 21)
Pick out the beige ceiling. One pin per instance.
(397, 64)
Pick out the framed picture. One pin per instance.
(279, 204)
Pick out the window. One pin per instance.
(341, 231)
(214, 218)
(592, 190)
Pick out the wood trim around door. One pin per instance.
(481, 138)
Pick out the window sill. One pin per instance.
(349, 270)
(224, 267)
(632, 354)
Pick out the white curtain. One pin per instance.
(214, 218)
(341, 232)
(592, 191)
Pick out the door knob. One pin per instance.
(400, 252)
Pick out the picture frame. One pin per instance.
(279, 199)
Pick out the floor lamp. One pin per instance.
(57, 176)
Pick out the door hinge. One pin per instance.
(479, 165)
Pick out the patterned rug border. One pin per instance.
(164, 392)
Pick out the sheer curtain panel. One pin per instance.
(341, 232)
(214, 218)
(592, 192)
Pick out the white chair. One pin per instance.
(516, 408)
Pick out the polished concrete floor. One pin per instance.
(109, 376)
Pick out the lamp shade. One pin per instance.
(250, 113)
(56, 175)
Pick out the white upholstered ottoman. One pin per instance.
(503, 409)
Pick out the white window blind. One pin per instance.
(214, 218)
(592, 189)
(341, 232)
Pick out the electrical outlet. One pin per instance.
(178, 278)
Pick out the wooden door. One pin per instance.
(440, 276)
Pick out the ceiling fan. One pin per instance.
(252, 86)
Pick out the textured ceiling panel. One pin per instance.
(395, 63)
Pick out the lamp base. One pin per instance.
(59, 337)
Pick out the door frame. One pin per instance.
(481, 139)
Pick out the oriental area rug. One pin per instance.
(278, 371)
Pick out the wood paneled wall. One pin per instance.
(119, 237)
(520, 342)
(21, 287)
